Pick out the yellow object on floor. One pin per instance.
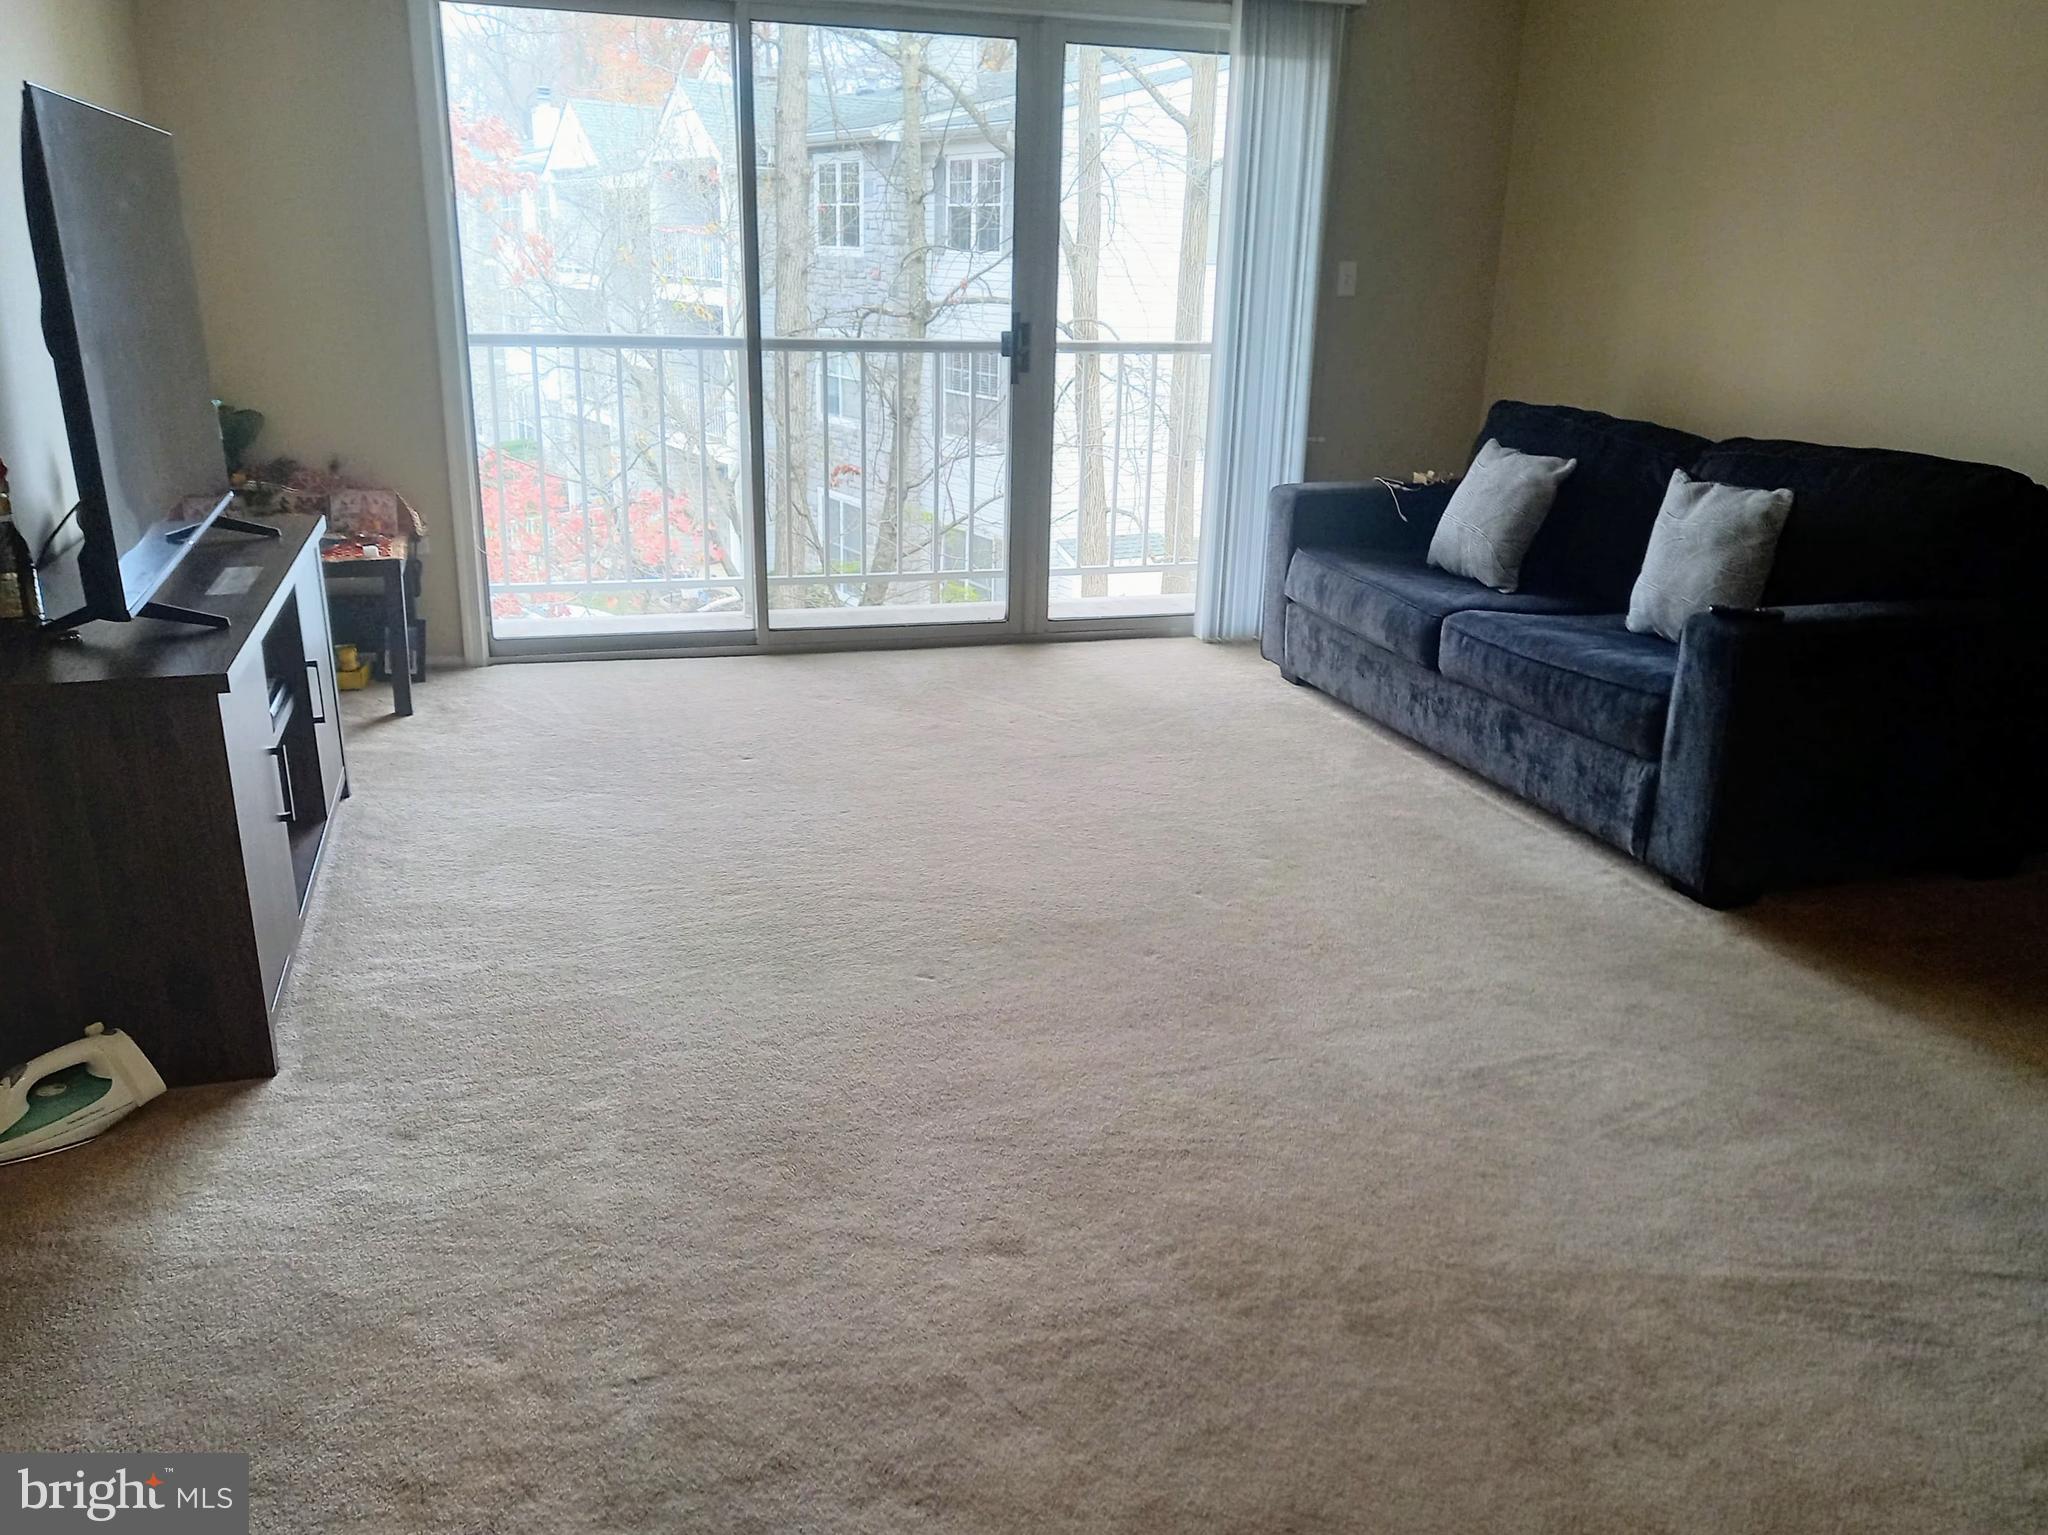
(350, 673)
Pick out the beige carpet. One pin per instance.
(1093, 1087)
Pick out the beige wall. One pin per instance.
(1424, 119)
(85, 48)
(1825, 220)
(299, 156)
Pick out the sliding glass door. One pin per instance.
(1141, 154)
(598, 232)
(799, 331)
(884, 161)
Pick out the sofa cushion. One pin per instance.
(1711, 547)
(1591, 545)
(1396, 602)
(1587, 673)
(1494, 515)
(1874, 525)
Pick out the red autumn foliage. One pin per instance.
(486, 152)
(535, 530)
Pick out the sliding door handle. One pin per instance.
(1017, 346)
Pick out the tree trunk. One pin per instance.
(1187, 422)
(798, 550)
(1092, 547)
(913, 183)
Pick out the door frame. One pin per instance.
(1042, 38)
(1056, 33)
(768, 638)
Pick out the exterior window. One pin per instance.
(839, 204)
(974, 203)
(698, 257)
(842, 386)
(986, 554)
(522, 423)
(974, 384)
(842, 534)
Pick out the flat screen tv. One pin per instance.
(121, 320)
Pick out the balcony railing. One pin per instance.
(1141, 554)
(611, 471)
(608, 468)
(888, 478)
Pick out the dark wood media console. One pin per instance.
(165, 796)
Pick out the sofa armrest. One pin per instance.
(1357, 514)
(1828, 741)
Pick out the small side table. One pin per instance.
(396, 561)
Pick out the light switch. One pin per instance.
(1347, 279)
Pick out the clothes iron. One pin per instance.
(72, 1093)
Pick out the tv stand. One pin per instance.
(247, 525)
(229, 524)
(167, 795)
(171, 613)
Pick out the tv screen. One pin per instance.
(121, 319)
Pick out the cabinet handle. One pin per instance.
(319, 694)
(284, 784)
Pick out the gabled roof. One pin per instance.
(620, 135)
(848, 116)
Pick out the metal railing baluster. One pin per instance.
(703, 473)
(540, 464)
(1116, 457)
(668, 558)
(825, 464)
(625, 507)
(498, 463)
(582, 458)
(1151, 453)
(864, 462)
(787, 536)
(899, 456)
(973, 453)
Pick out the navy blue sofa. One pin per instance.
(1881, 711)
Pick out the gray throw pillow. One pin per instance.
(1494, 514)
(1712, 545)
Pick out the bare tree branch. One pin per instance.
(1159, 99)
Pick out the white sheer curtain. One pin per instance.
(1283, 89)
